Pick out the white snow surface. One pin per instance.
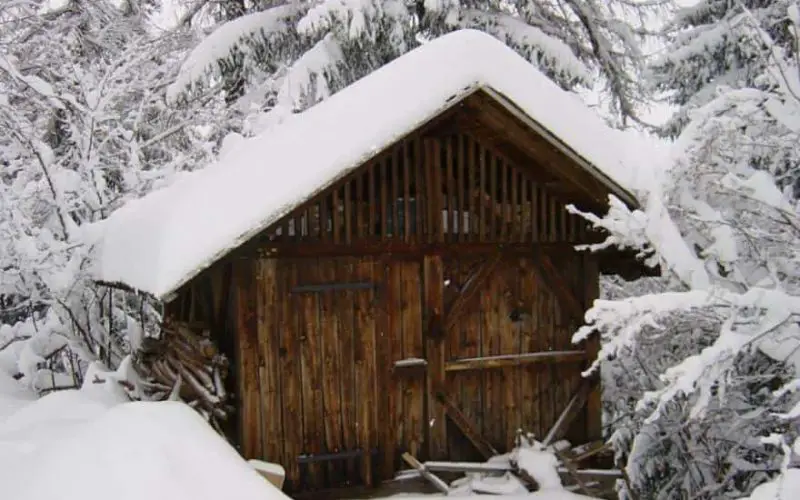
(159, 242)
(88, 444)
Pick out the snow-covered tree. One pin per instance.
(284, 57)
(716, 46)
(709, 355)
(84, 126)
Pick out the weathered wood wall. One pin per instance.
(442, 248)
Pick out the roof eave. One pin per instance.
(613, 187)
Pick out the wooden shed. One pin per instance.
(422, 294)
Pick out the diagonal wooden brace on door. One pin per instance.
(463, 423)
(553, 279)
(470, 290)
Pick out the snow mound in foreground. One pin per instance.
(128, 451)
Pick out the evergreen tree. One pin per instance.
(288, 56)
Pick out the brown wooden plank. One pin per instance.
(249, 356)
(323, 219)
(420, 189)
(434, 353)
(365, 369)
(452, 212)
(514, 219)
(461, 186)
(269, 342)
(524, 209)
(471, 383)
(535, 213)
(345, 315)
(384, 201)
(474, 184)
(348, 215)
(394, 342)
(407, 192)
(414, 390)
(594, 403)
(568, 414)
(396, 191)
(559, 285)
(360, 207)
(552, 210)
(329, 359)
(311, 368)
(383, 372)
(291, 372)
(501, 331)
(512, 360)
(335, 211)
(493, 196)
(480, 196)
(373, 207)
(465, 426)
(504, 199)
(424, 472)
(528, 384)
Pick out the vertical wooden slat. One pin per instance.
(420, 189)
(492, 201)
(553, 215)
(594, 402)
(384, 199)
(475, 185)
(291, 373)
(269, 373)
(406, 191)
(433, 177)
(544, 215)
(563, 220)
(249, 356)
(383, 372)
(515, 217)
(481, 195)
(452, 213)
(365, 368)
(323, 218)
(524, 208)
(335, 211)
(360, 206)
(433, 279)
(344, 304)
(311, 368)
(372, 229)
(396, 191)
(394, 342)
(534, 204)
(348, 214)
(411, 313)
(461, 191)
(329, 359)
(504, 208)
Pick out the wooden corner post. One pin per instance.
(594, 401)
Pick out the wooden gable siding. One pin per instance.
(426, 191)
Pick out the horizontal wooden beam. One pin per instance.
(332, 287)
(504, 361)
(410, 249)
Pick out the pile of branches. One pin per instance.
(184, 363)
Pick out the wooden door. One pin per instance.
(510, 363)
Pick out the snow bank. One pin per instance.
(13, 396)
(87, 445)
(161, 241)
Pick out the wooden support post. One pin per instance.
(433, 280)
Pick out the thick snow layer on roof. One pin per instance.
(161, 241)
(88, 445)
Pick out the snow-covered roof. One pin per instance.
(158, 243)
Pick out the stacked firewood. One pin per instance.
(184, 363)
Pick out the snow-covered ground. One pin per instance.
(91, 444)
